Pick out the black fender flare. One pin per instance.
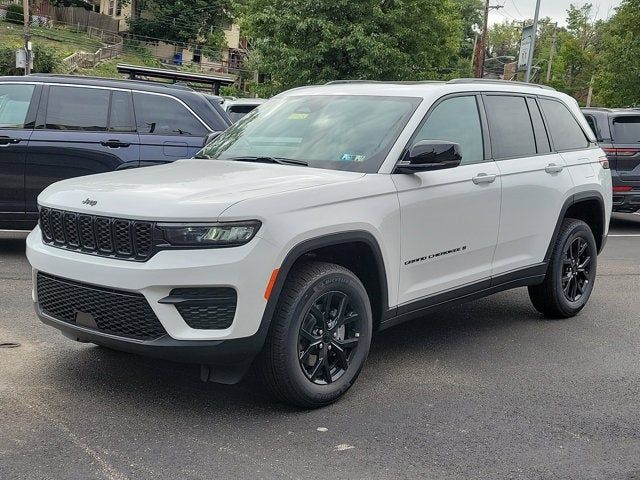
(572, 200)
(307, 246)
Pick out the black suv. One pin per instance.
(618, 133)
(55, 127)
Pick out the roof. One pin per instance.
(616, 111)
(103, 82)
(426, 89)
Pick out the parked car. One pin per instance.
(332, 212)
(57, 127)
(618, 132)
(239, 107)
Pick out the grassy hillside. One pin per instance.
(58, 43)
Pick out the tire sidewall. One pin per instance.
(340, 282)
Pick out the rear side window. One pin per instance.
(14, 105)
(456, 120)
(565, 131)
(236, 112)
(592, 124)
(121, 116)
(77, 108)
(161, 115)
(510, 125)
(626, 129)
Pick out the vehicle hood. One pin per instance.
(194, 190)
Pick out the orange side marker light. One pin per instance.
(272, 282)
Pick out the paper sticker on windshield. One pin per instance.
(298, 116)
(350, 157)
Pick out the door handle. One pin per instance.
(553, 168)
(115, 144)
(484, 178)
(6, 141)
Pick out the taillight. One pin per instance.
(604, 161)
(621, 152)
(625, 188)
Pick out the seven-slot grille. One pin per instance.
(111, 311)
(104, 236)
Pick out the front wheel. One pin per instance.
(571, 272)
(319, 337)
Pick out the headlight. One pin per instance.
(209, 235)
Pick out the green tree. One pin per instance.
(300, 42)
(618, 81)
(180, 21)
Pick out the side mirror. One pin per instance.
(428, 155)
(211, 137)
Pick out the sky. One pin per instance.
(556, 9)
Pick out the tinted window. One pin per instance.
(511, 128)
(542, 139)
(160, 115)
(236, 112)
(592, 124)
(456, 120)
(14, 105)
(76, 108)
(626, 129)
(121, 117)
(563, 127)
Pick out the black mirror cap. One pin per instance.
(428, 155)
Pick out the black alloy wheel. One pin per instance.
(328, 338)
(576, 273)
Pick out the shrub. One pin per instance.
(15, 14)
(46, 60)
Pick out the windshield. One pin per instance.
(340, 132)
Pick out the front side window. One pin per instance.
(162, 115)
(77, 108)
(626, 129)
(14, 104)
(510, 125)
(456, 120)
(563, 127)
(339, 132)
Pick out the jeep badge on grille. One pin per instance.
(91, 203)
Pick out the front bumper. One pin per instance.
(246, 269)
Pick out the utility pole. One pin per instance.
(482, 46)
(27, 38)
(533, 41)
(590, 94)
(553, 51)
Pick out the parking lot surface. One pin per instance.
(484, 390)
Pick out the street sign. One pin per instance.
(525, 47)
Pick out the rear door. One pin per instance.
(80, 130)
(18, 103)
(168, 128)
(535, 181)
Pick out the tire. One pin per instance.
(570, 279)
(319, 337)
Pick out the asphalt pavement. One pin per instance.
(484, 390)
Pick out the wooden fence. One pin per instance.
(84, 19)
(112, 49)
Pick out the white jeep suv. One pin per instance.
(328, 213)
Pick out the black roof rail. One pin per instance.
(390, 82)
(498, 82)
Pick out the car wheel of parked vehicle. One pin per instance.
(571, 272)
(319, 337)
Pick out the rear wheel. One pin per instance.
(571, 273)
(319, 337)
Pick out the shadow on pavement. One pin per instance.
(132, 382)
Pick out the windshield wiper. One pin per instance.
(202, 156)
(278, 160)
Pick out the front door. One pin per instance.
(449, 217)
(81, 131)
(15, 103)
